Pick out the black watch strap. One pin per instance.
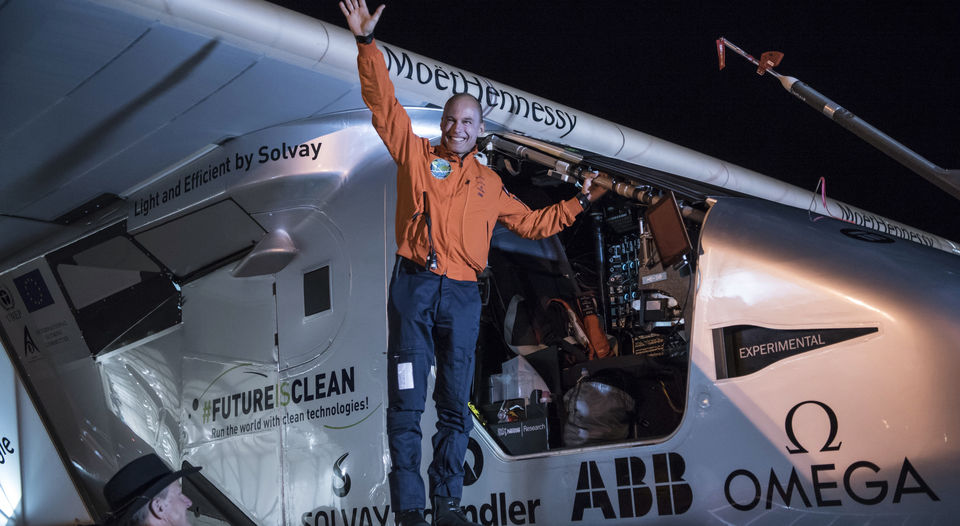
(584, 200)
(364, 39)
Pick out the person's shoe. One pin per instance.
(447, 512)
(411, 518)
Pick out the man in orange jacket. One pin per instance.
(447, 205)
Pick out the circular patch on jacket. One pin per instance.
(440, 168)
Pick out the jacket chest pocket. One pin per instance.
(479, 218)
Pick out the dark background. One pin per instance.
(652, 66)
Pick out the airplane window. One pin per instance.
(119, 294)
(87, 285)
(199, 240)
(102, 270)
(118, 253)
(316, 291)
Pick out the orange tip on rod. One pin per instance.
(768, 60)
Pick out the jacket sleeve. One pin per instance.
(536, 224)
(389, 118)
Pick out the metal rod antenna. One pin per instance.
(946, 180)
(736, 49)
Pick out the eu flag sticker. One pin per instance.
(33, 290)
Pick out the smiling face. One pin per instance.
(460, 124)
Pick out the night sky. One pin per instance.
(652, 66)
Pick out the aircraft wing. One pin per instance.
(97, 98)
(101, 97)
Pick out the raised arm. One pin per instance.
(359, 19)
(389, 118)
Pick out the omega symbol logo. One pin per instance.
(832, 420)
(340, 476)
(827, 485)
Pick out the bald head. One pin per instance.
(464, 97)
(461, 123)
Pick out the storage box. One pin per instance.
(520, 379)
(530, 434)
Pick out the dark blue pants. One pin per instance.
(433, 319)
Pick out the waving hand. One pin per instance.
(359, 19)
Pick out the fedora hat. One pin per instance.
(136, 483)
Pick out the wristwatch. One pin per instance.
(364, 39)
(584, 200)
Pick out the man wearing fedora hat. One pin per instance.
(146, 492)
